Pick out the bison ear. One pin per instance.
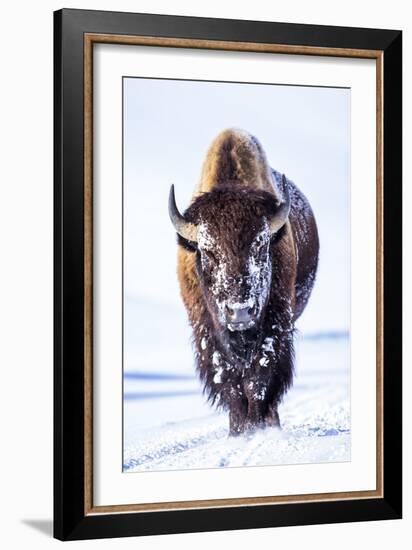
(190, 246)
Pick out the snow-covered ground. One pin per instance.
(168, 425)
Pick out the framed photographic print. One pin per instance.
(227, 274)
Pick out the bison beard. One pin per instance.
(247, 259)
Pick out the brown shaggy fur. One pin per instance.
(238, 190)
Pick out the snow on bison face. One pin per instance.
(235, 273)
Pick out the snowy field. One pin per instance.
(168, 425)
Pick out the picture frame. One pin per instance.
(76, 32)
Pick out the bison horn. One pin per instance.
(279, 219)
(184, 228)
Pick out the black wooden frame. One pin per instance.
(70, 521)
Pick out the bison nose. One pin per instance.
(240, 317)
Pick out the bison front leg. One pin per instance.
(237, 416)
(272, 418)
(257, 406)
(261, 415)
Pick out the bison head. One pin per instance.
(230, 230)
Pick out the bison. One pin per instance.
(247, 259)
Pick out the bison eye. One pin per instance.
(208, 254)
